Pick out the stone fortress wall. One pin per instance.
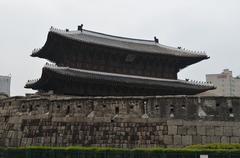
(126, 122)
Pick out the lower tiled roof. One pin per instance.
(115, 79)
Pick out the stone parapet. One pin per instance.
(125, 122)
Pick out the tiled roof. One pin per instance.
(122, 78)
(138, 45)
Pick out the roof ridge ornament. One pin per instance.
(35, 51)
(32, 81)
(80, 27)
(193, 51)
(198, 83)
(53, 29)
(50, 65)
(156, 39)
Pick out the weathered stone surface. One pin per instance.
(201, 130)
(64, 121)
(215, 139)
(172, 130)
(192, 130)
(196, 139)
(187, 140)
(182, 130)
(236, 131)
(234, 140)
(206, 139)
(218, 131)
(177, 140)
(227, 131)
(168, 140)
(225, 140)
(174, 122)
(210, 131)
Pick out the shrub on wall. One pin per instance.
(214, 150)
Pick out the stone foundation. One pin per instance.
(126, 122)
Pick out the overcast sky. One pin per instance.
(205, 25)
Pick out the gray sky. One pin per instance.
(205, 25)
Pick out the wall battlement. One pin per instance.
(168, 121)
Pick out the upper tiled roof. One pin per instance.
(138, 45)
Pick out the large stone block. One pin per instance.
(206, 139)
(29, 141)
(210, 131)
(234, 140)
(168, 140)
(236, 131)
(174, 122)
(177, 140)
(201, 130)
(196, 139)
(172, 130)
(192, 130)
(215, 139)
(182, 130)
(218, 131)
(225, 140)
(227, 131)
(186, 140)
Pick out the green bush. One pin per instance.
(215, 150)
(215, 146)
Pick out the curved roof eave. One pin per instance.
(121, 78)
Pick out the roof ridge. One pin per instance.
(95, 32)
(121, 37)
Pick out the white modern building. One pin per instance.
(5, 82)
(226, 84)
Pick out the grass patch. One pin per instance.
(215, 150)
